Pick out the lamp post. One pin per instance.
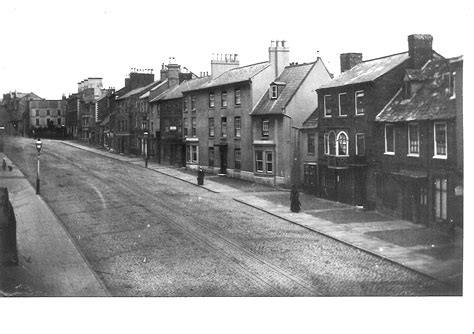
(39, 144)
(146, 148)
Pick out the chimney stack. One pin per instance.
(222, 63)
(420, 49)
(279, 57)
(349, 60)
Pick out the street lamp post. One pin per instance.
(38, 147)
(146, 148)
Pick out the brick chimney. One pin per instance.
(173, 74)
(420, 49)
(222, 63)
(138, 78)
(349, 60)
(279, 56)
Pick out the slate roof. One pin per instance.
(235, 75)
(289, 80)
(140, 90)
(430, 102)
(312, 121)
(176, 92)
(368, 70)
(53, 104)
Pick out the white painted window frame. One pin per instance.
(339, 100)
(337, 144)
(325, 105)
(393, 139)
(357, 143)
(435, 150)
(355, 102)
(409, 134)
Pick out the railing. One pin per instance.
(341, 162)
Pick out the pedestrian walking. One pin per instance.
(294, 199)
(4, 164)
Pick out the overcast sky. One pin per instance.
(49, 46)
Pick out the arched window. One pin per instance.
(332, 143)
(342, 144)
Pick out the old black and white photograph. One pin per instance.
(249, 166)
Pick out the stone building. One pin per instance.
(277, 121)
(216, 115)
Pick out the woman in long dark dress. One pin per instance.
(294, 198)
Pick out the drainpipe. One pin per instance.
(275, 150)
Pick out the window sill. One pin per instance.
(389, 153)
(223, 107)
(237, 105)
(413, 155)
(359, 115)
(327, 116)
(342, 116)
(441, 157)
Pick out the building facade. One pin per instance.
(217, 125)
(15, 105)
(278, 119)
(47, 118)
(420, 174)
(347, 131)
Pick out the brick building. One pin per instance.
(347, 128)
(420, 174)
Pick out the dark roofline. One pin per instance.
(301, 82)
(395, 54)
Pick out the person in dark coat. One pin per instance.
(295, 201)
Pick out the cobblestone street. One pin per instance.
(147, 234)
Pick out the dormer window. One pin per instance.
(407, 89)
(273, 91)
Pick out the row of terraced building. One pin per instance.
(385, 134)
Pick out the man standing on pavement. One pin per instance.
(294, 198)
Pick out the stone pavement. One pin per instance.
(425, 250)
(49, 262)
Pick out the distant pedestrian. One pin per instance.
(294, 198)
(4, 164)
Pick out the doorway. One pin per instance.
(223, 159)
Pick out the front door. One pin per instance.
(223, 159)
(423, 217)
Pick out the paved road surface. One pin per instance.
(147, 234)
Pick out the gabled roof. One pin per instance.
(235, 75)
(368, 70)
(430, 102)
(140, 90)
(290, 80)
(176, 92)
(312, 121)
